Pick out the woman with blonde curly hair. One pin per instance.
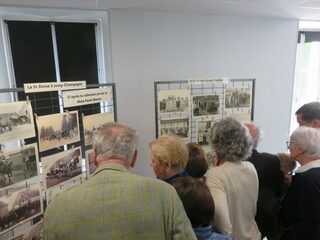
(169, 157)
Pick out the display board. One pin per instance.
(45, 137)
(189, 108)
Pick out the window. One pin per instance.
(307, 71)
(33, 60)
(52, 51)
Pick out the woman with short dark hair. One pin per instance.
(197, 164)
(199, 206)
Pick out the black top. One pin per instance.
(271, 181)
(268, 170)
(301, 206)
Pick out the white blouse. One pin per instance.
(234, 188)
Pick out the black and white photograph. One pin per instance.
(204, 105)
(35, 232)
(242, 117)
(61, 167)
(89, 162)
(173, 100)
(93, 122)
(58, 129)
(16, 121)
(19, 165)
(211, 155)
(18, 206)
(177, 126)
(203, 131)
(237, 97)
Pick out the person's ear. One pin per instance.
(167, 166)
(134, 159)
(315, 123)
(300, 150)
(94, 156)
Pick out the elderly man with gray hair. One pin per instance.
(114, 203)
(301, 207)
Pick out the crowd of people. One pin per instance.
(247, 195)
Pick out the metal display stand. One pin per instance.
(51, 103)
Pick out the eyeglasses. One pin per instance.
(289, 143)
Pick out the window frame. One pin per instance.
(304, 26)
(54, 15)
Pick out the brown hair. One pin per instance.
(197, 164)
(286, 163)
(309, 111)
(196, 199)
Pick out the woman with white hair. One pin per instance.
(234, 182)
(301, 207)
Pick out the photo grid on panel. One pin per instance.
(189, 109)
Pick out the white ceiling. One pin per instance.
(293, 9)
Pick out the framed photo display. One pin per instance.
(177, 126)
(203, 131)
(205, 105)
(189, 108)
(16, 121)
(94, 122)
(19, 164)
(173, 100)
(19, 206)
(61, 167)
(59, 123)
(57, 129)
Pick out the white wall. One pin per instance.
(155, 46)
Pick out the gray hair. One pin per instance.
(231, 140)
(114, 140)
(308, 140)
